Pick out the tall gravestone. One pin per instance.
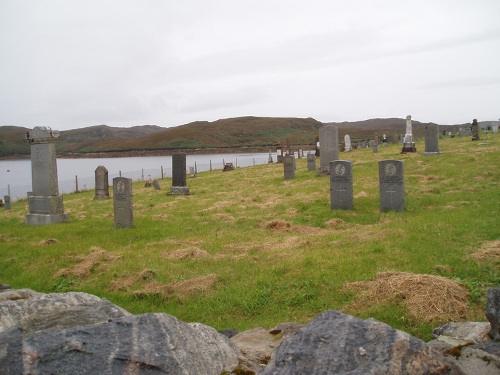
(408, 141)
(392, 187)
(179, 186)
(475, 130)
(375, 144)
(341, 190)
(347, 142)
(431, 140)
(494, 127)
(123, 202)
(328, 147)
(45, 203)
(289, 166)
(311, 162)
(270, 159)
(101, 183)
(6, 202)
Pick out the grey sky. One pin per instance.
(70, 64)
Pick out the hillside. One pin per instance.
(226, 133)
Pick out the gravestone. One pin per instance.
(300, 154)
(101, 183)
(6, 202)
(494, 128)
(270, 159)
(192, 173)
(408, 141)
(123, 203)
(289, 166)
(392, 189)
(347, 141)
(279, 155)
(341, 185)
(328, 147)
(156, 185)
(45, 204)
(431, 140)
(475, 130)
(384, 140)
(179, 175)
(311, 162)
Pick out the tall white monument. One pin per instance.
(408, 141)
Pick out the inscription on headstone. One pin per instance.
(341, 196)
(45, 204)
(311, 162)
(101, 183)
(391, 180)
(328, 147)
(431, 140)
(289, 166)
(123, 202)
(179, 175)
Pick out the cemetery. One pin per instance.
(281, 242)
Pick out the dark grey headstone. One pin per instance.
(101, 183)
(289, 166)
(431, 140)
(45, 205)
(328, 147)
(392, 189)
(6, 200)
(179, 169)
(341, 185)
(123, 202)
(493, 312)
(475, 130)
(311, 162)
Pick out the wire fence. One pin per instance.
(83, 183)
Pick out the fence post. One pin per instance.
(210, 165)
(236, 166)
(195, 168)
(76, 184)
(161, 171)
(142, 173)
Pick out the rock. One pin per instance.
(335, 343)
(258, 344)
(493, 312)
(144, 344)
(480, 359)
(460, 333)
(56, 311)
(8, 294)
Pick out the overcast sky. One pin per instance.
(70, 63)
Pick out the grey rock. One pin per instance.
(335, 343)
(56, 311)
(493, 312)
(144, 344)
(8, 294)
(456, 333)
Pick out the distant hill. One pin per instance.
(226, 133)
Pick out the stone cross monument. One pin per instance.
(408, 141)
(45, 203)
(475, 130)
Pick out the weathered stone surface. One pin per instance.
(8, 294)
(455, 333)
(55, 311)
(493, 312)
(144, 344)
(335, 343)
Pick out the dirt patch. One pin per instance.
(361, 194)
(49, 241)
(187, 253)
(98, 258)
(428, 298)
(275, 224)
(489, 253)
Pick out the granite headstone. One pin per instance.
(431, 140)
(179, 175)
(341, 190)
(289, 166)
(328, 147)
(123, 202)
(391, 180)
(101, 183)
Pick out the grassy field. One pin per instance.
(248, 248)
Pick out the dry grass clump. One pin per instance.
(46, 242)
(276, 224)
(98, 257)
(489, 253)
(128, 282)
(179, 289)
(187, 253)
(428, 298)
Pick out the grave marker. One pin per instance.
(289, 166)
(341, 186)
(45, 204)
(123, 202)
(475, 130)
(311, 162)
(6, 202)
(431, 140)
(391, 180)
(179, 175)
(101, 183)
(328, 147)
(408, 141)
(347, 141)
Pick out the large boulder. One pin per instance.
(143, 344)
(335, 343)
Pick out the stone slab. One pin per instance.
(341, 185)
(391, 182)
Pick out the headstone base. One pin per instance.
(325, 171)
(102, 197)
(409, 147)
(43, 219)
(431, 153)
(179, 190)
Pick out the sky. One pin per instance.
(69, 64)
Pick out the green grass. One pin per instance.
(269, 275)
